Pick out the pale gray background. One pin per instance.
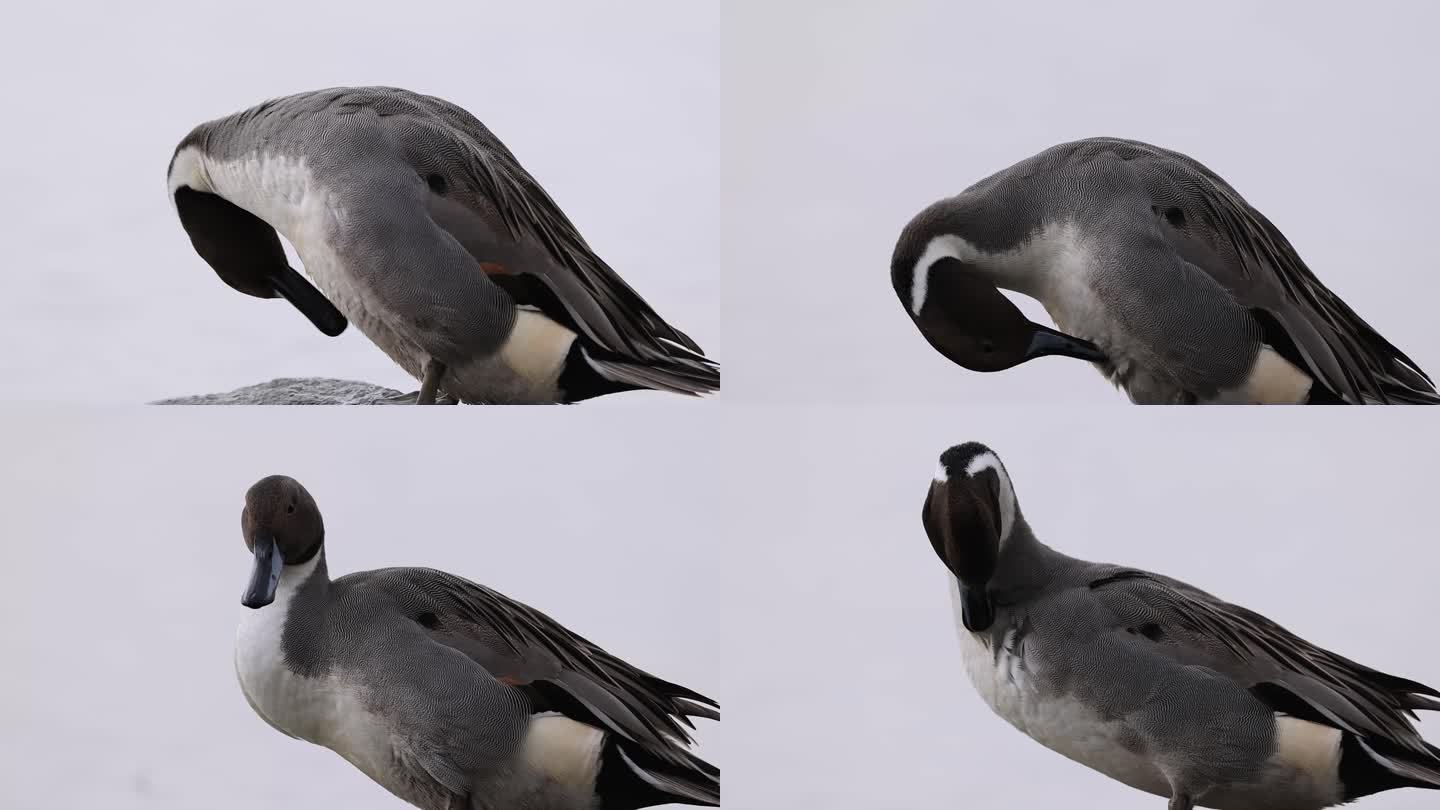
(772, 557)
(125, 565)
(614, 107)
(843, 119)
(1324, 523)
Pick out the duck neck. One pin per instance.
(299, 582)
(1026, 565)
(303, 594)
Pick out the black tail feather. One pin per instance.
(1369, 765)
(632, 778)
(591, 371)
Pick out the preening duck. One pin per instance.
(1163, 275)
(1156, 683)
(447, 693)
(422, 228)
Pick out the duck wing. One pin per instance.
(1284, 671)
(482, 195)
(1213, 228)
(560, 670)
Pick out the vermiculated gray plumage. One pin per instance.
(1189, 280)
(523, 663)
(438, 235)
(1160, 684)
(449, 694)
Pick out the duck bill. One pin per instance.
(1047, 341)
(311, 303)
(265, 576)
(976, 610)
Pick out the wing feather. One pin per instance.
(522, 646)
(1264, 271)
(1201, 629)
(529, 213)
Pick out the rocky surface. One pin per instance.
(294, 391)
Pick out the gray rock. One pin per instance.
(294, 391)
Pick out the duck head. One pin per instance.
(282, 526)
(970, 513)
(242, 249)
(948, 288)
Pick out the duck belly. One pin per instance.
(1060, 723)
(323, 710)
(1301, 773)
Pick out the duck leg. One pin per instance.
(1179, 800)
(434, 370)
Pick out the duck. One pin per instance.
(1154, 682)
(420, 227)
(446, 693)
(1190, 294)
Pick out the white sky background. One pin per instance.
(126, 563)
(770, 557)
(614, 108)
(843, 120)
(1322, 521)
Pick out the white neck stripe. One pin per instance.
(941, 247)
(944, 246)
(292, 578)
(188, 170)
(989, 461)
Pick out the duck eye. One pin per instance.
(290, 510)
(1173, 215)
(436, 183)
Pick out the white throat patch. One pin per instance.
(989, 461)
(282, 698)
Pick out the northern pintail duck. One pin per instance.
(1186, 293)
(1153, 682)
(424, 230)
(448, 694)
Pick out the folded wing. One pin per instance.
(1284, 671)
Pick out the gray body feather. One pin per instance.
(1184, 281)
(1154, 682)
(1192, 681)
(427, 233)
(446, 678)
